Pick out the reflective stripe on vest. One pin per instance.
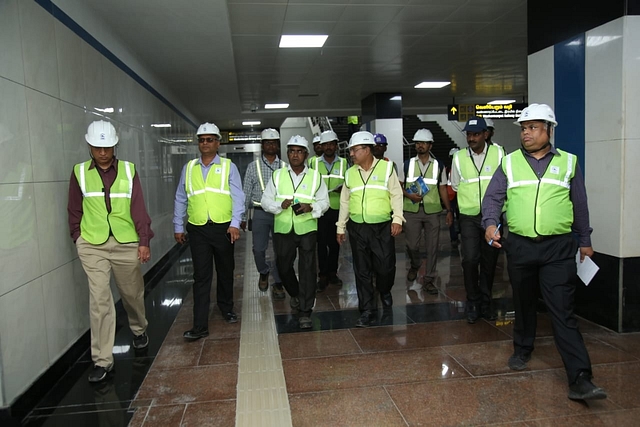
(539, 207)
(210, 199)
(332, 179)
(431, 200)
(305, 192)
(261, 180)
(473, 184)
(369, 201)
(97, 223)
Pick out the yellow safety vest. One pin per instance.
(431, 200)
(283, 165)
(210, 200)
(332, 179)
(305, 192)
(473, 184)
(96, 223)
(370, 201)
(539, 206)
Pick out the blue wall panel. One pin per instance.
(569, 99)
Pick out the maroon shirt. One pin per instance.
(139, 214)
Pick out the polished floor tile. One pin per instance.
(329, 343)
(210, 414)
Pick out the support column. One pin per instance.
(380, 114)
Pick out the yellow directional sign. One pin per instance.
(452, 112)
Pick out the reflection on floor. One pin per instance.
(422, 364)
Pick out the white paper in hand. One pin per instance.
(586, 269)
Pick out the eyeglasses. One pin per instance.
(355, 149)
(209, 139)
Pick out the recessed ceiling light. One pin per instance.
(431, 85)
(501, 101)
(302, 41)
(271, 106)
(251, 123)
(105, 110)
(396, 98)
(160, 125)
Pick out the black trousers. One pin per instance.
(550, 266)
(374, 251)
(328, 247)
(478, 261)
(209, 242)
(285, 247)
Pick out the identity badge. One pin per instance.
(487, 168)
(554, 170)
(218, 170)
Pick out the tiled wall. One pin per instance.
(611, 141)
(52, 83)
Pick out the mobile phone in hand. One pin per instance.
(296, 207)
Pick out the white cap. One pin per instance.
(361, 138)
(101, 134)
(269, 134)
(328, 136)
(208, 129)
(298, 140)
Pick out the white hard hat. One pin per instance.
(208, 129)
(489, 123)
(269, 134)
(537, 112)
(298, 140)
(328, 136)
(424, 135)
(316, 139)
(101, 134)
(361, 138)
(453, 151)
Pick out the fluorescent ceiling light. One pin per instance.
(501, 101)
(272, 106)
(431, 85)
(160, 125)
(251, 123)
(105, 110)
(396, 98)
(302, 41)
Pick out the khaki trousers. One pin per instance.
(98, 261)
(430, 223)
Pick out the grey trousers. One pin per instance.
(430, 223)
(262, 229)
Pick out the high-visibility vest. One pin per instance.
(97, 223)
(332, 179)
(283, 165)
(305, 192)
(211, 199)
(370, 201)
(539, 206)
(473, 184)
(431, 200)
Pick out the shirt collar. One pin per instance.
(113, 165)
(215, 160)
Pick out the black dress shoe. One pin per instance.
(195, 334)
(365, 319)
(230, 317)
(584, 389)
(472, 313)
(387, 300)
(99, 373)
(518, 362)
(323, 282)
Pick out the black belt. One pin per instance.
(539, 239)
(258, 208)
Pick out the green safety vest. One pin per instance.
(261, 180)
(97, 224)
(370, 201)
(431, 200)
(311, 161)
(352, 120)
(210, 200)
(332, 179)
(539, 206)
(473, 184)
(305, 192)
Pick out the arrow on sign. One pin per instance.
(453, 110)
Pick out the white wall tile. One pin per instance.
(19, 255)
(92, 65)
(39, 48)
(24, 339)
(630, 201)
(604, 191)
(55, 244)
(74, 126)
(45, 132)
(11, 65)
(541, 78)
(631, 73)
(15, 163)
(66, 311)
(603, 82)
(70, 70)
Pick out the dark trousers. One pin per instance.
(478, 261)
(328, 247)
(285, 247)
(374, 251)
(262, 229)
(209, 242)
(549, 265)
